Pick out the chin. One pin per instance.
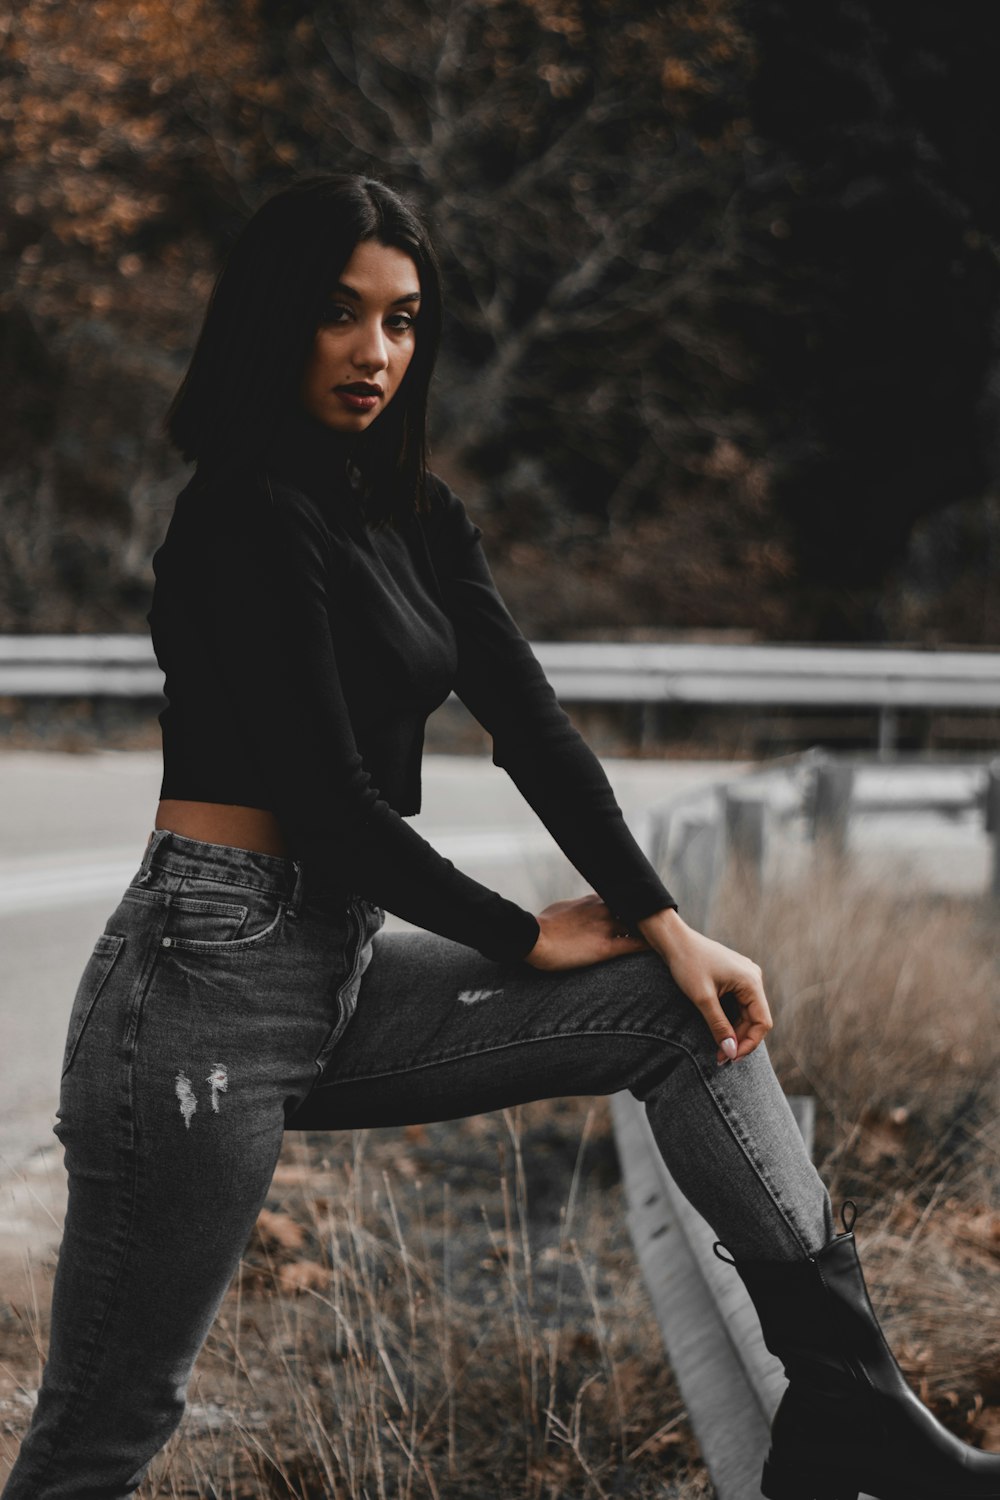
(343, 421)
(353, 421)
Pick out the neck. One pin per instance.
(307, 450)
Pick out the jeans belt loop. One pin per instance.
(154, 841)
(298, 894)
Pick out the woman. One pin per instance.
(317, 594)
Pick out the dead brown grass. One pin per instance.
(886, 1009)
(443, 1311)
(425, 1315)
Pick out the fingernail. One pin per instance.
(729, 1046)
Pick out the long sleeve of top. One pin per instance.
(501, 681)
(302, 654)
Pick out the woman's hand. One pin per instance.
(583, 931)
(579, 932)
(707, 970)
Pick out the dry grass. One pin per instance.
(414, 1320)
(886, 1008)
(450, 1310)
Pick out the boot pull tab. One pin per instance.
(848, 1203)
(717, 1246)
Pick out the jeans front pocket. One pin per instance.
(92, 981)
(206, 917)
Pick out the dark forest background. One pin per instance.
(723, 346)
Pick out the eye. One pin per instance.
(331, 315)
(339, 312)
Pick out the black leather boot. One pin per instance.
(848, 1423)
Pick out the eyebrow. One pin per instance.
(349, 291)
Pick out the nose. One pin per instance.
(370, 351)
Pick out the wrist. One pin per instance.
(664, 929)
(537, 946)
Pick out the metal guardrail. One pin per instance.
(71, 666)
(730, 1382)
(794, 674)
(734, 818)
(648, 673)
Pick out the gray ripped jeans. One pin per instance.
(226, 1002)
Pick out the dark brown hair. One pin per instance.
(264, 309)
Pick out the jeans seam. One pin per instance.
(721, 1111)
(478, 1051)
(208, 880)
(76, 1407)
(756, 1166)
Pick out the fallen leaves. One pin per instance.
(280, 1229)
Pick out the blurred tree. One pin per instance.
(720, 280)
(577, 158)
(131, 135)
(876, 220)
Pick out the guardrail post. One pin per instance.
(833, 789)
(654, 837)
(746, 821)
(993, 821)
(888, 728)
(695, 868)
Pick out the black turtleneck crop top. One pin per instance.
(302, 653)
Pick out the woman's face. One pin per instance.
(365, 340)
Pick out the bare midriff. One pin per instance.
(223, 823)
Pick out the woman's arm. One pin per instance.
(502, 682)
